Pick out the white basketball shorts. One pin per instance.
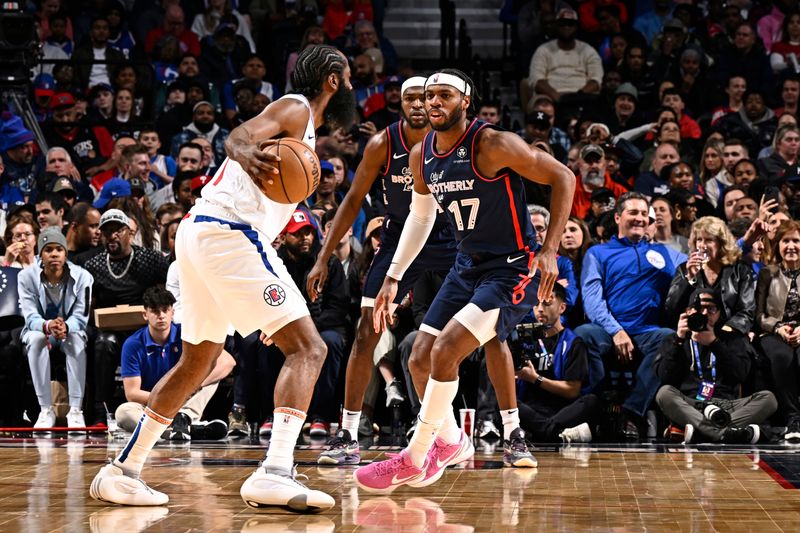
(231, 275)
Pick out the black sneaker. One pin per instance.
(746, 435)
(237, 423)
(181, 428)
(629, 430)
(211, 430)
(717, 415)
(516, 451)
(793, 431)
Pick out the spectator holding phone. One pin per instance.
(777, 316)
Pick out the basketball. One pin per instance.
(299, 172)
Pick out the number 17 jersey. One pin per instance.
(489, 214)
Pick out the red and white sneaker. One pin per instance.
(382, 477)
(441, 455)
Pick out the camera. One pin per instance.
(523, 345)
(355, 131)
(697, 322)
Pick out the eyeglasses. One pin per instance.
(22, 236)
(540, 229)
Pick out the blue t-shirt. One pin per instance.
(143, 357)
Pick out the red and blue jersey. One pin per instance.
(488, 214)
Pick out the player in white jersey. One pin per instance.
(230, 275)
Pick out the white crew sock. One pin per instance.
(437, 402)
(286, 426)
(350, 420)
(510, 422)
(149, 429)
(450, 432)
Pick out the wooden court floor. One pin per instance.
(44, 483)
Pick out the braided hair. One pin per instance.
(314, 64)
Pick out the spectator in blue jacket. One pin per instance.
(624, 284)
(54, 299)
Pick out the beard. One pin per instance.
(593, 178)
(410, 123)
(457, 115)
(341, 109)
(205, 127)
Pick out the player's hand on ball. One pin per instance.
(381, 314)
(258, 164)
(316, 280)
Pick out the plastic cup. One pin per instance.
(467, 418)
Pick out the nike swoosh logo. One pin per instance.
(509, 260)
(428, 160)
(396, 480)
(398, 156)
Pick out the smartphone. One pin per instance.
(771, 192)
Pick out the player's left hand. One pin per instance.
(266, 341)
(545, 261)
(381, 314)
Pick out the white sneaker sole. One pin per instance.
(104, 478)
(280, 494)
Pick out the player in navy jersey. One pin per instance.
(473, 172)
(385, 156)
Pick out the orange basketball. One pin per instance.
(299, 172)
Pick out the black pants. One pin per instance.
(544, 423)
(101, 372)
(783, 360)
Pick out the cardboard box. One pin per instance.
(119, 318)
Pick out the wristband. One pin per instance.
(538, 381)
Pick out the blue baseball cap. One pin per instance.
(114, 188)
(394, 80)
(326, 165)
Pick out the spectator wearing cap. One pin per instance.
(385, 110)
(558, 136)
(55, 296)
(114, 188)
(625, 114)
(95, 59)
(89, 147)
(206, 23)
(43, 91)
(22, 163)
(253, 70)
(593, 175)
(223, 53)
(83, 233)
(203, 125)
(66, 190)
(690, 76)
(602, 201)
(624, 283)
(174, 23)
(298, 251)
(122, 273)
(565, 65)
(101, 102)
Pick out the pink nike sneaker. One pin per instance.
(382, 477)
(442, 455)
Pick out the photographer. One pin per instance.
(702, 368)
(552, 366)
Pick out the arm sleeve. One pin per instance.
(415, 232)
(593, 300)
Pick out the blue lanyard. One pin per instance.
(712, 362)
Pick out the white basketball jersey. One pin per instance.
(233, 190)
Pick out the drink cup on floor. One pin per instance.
(467, 417)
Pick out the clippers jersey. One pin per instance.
(232, 194)
(489, 215)
(398, 183)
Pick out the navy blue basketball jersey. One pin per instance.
(488, 214)
(398, 183)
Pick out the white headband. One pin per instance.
(441, 78)
(414, 81)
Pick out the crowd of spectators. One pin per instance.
(679, 265)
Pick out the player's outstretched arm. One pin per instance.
(498, 150)
(416, 229)
(374, 156)
(282, 118)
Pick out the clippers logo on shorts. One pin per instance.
(274, 295)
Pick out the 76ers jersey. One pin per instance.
(488, 213)
(398, 183)
(232, 194)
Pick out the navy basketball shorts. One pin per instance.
(438, 255)
(489, 297)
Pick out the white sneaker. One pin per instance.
(281, 488)
(688, 434)
(126, 518)
(112, 485)
(487, 428)
(47, 418)
(75, 419)
(580, 433)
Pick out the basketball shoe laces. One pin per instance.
(519, 444)
(294, 477)
(384, 467)
(338, 442)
